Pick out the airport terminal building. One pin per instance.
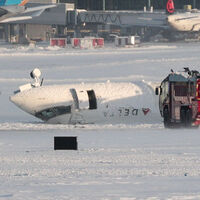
(129, 4)
(60, 22)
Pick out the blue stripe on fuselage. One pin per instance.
(2, 2)
(9, 2)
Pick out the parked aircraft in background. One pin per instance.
(188, 21)
(16, 10)
(85, 103)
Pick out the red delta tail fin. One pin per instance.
(170, 7)
(23, 2)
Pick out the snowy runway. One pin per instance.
(114, 161)
(110, 164)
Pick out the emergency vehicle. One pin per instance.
(179, 99)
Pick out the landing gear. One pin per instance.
(166, 116)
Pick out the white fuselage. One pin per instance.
(188, 21)
(87, 103)
(13, 13)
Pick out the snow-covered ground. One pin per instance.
(114, 161)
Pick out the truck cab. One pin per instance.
(178, 100)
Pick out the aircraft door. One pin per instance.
(75, 98)
(80, 98)
(84, 99)
(92, 100)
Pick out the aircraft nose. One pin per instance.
(170, 19)
(21, 101)
(16, 99)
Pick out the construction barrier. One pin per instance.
(75, 42)
(87, 43)
(61, 42)
(127, 41)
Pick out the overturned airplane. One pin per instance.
(86, 103)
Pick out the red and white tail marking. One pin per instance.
(170, 7)
(24, 2)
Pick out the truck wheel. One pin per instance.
(186, 117)
(183, 116)
(166, 117)
(188, 121)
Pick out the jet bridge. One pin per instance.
(119, 18)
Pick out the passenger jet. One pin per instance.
(188, 21)
(10, 9)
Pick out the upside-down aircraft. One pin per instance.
(16, 10)
(85, 103)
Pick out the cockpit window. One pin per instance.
(53, 112)
(180, 90)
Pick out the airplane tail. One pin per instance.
(24, 2)
(170, 8)
(13, 2)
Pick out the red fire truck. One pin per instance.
(197, 122)
(179, 99)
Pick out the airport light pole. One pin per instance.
(194, 3)
(149, 4)
(104, 4)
